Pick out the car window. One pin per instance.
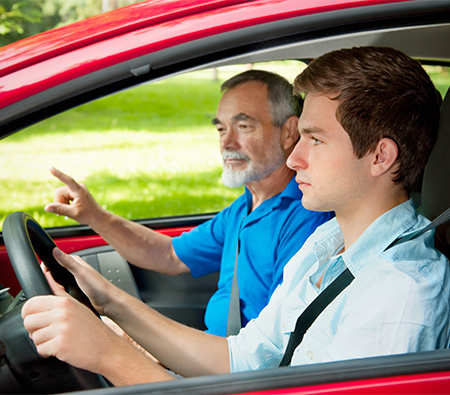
(147, 152)
(440, 75)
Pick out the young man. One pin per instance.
(368, 125)
(257, 123)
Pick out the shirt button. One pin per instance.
(310, 354)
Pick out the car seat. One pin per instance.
(435, 196)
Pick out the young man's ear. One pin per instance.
(289, 133)
(384, 157)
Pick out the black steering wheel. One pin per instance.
(24, 370)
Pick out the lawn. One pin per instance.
(147, 152)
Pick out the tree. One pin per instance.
(16, 16)
(20, 19)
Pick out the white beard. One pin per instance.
(274, 158)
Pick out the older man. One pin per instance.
(257, 123)
(359, 155)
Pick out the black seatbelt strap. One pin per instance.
(310, 314)
(330, 293)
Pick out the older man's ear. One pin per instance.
(289, 133)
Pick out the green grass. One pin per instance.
(147, 152)
(440, 77)
(159, 177)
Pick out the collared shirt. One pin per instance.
(269, 236)
(397, 303)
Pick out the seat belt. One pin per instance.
(234, 323)
(439, 220)
(309, 315)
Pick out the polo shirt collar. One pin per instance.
(291, 192)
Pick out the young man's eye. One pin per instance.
(316, 141)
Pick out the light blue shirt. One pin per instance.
(397, 303)
(269, 236)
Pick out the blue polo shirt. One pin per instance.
(269, 236)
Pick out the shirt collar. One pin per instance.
(379, 235)
(291, 191)
(371, 244)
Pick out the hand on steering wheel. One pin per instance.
(23, 236)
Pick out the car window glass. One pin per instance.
(150, 151)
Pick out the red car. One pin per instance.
(56, 71)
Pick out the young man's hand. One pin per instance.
(62, 327)
(97, 288)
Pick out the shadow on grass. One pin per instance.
(171, 105)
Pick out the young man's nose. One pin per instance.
(297, 158)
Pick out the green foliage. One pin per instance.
(152, 107)
(440, 77)
(145, 152)
(21, 19)
(15, 15)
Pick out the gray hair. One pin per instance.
(283, 104)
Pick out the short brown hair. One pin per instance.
(382, 93)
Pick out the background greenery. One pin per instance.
(147, 152)
(24, 18)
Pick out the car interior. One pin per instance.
(436, 188)
(432, 201)
(419, 33)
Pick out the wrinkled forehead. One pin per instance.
(245, 101)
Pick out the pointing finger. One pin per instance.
(65, 178)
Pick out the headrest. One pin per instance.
(435, 197)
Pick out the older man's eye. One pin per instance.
(246, 127)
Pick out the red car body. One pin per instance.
(51, 58)
(41, 62)
(38, 64)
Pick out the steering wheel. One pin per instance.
(25, 370)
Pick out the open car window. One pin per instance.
(150, 151)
